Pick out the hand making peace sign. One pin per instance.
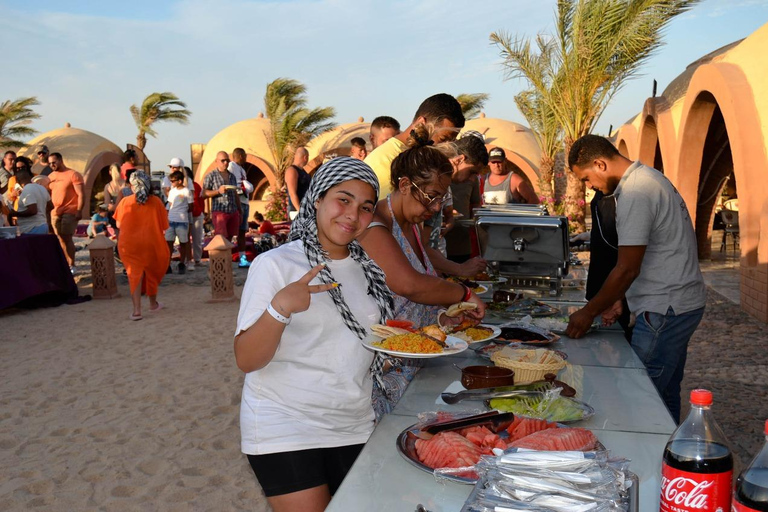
(295, 297)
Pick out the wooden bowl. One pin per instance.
(475, 377)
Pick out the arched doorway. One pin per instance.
(650, 149)
(715, 175)
(623, 148)
(97, 191)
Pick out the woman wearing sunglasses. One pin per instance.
(420, 178)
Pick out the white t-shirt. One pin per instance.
(33, 194)
(316, 390)
(178, 201)
(167, 184)
(240, 174)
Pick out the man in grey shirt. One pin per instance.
(657, 268)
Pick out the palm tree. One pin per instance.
(548, 134)
(15, 118)
(472, 104)
(292, 123)
(157, 107)
(597, 47)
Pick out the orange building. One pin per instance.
(708, 132)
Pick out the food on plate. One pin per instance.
(523, 427)
(411, 342)
(464, 447)
(561, 409)
(402, 324)
(497, 306)
(559, 439)
(473, 334)
(448, 450)
(384, 331)
(433, 331)
(559, 324)
(456, 309)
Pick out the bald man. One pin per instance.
(220, 186)
(297, 181)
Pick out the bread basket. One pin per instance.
(529, 365)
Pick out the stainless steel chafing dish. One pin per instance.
(526, 245)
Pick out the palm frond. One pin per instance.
(292, 123)
(15, 118)
(472, 104)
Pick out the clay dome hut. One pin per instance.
(252, 136)
(520, 146)
(85, 152)
(708, 134)
(337, 142)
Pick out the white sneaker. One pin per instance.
(191, 266)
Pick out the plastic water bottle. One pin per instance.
(697, 469)
(751, 493)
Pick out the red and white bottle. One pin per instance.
(697, 469)
(751, 493)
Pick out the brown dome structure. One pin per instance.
(518, 142)
(85, 152)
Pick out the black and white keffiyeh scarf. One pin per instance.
(141, 186)
(304, 228)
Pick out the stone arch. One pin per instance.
(723, 86)
(95, 166)
(649, 146)
(627, 137)
(622, 147)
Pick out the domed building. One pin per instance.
(708, 133)
(251, 135)
(517, 141)
(337, 142)
(85, 152)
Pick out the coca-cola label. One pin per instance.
(738, 507)
(682, 491)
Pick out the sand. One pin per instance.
(101, 413)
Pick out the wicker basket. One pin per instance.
(521, 361)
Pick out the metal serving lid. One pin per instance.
(524, 244)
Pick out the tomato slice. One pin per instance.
(402, 324)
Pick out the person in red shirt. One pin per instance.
(265, 227)
(196, 225)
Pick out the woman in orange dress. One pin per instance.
(142, 221)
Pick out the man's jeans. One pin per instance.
(661, 343)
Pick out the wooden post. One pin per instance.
(102, 251)
(220, 269)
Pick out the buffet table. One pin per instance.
(630, 420)
(34, 272)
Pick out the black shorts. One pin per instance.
(287, 472)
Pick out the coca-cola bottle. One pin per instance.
(751, 493)
(697, 469)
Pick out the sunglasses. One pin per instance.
(431, 201)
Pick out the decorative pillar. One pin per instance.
(102, 251)
(220, 269)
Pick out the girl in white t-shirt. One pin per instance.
(306, 411)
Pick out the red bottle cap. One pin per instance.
(701, 397)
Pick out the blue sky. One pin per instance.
(88, 61)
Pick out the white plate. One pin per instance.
(481, 289)
(496, 331)
(499, 280)
(455, 345)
